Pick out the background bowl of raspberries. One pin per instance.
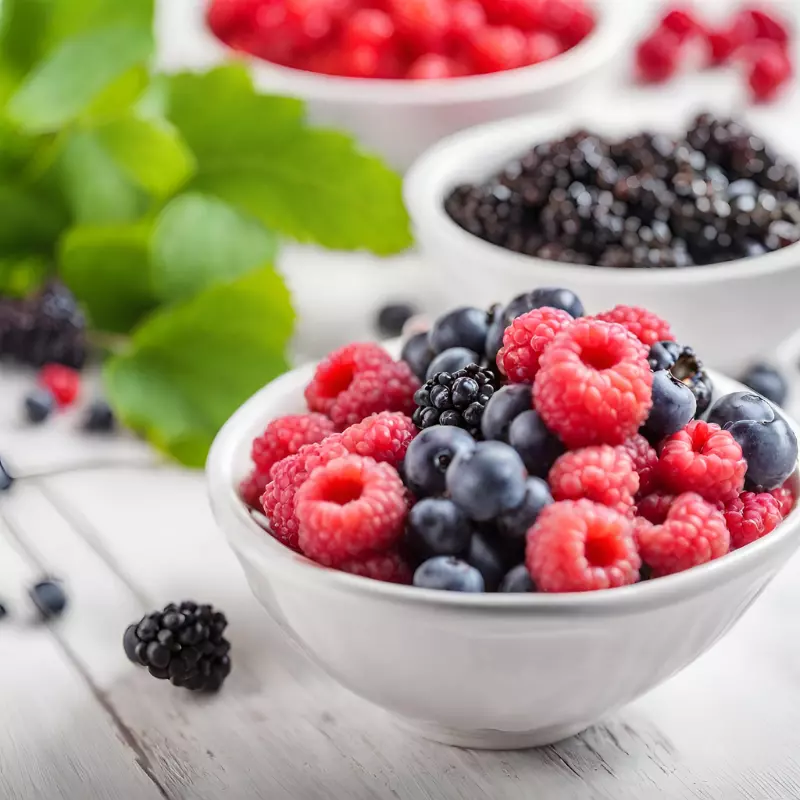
(479, 529)
(697, 219)
(402, 74)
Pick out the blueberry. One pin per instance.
(663, 355)
(99, 418)
(6, 478)
(517, 580)
(451, 360)
(49, 597)
(417, 354)
(494, 335)
(448, 573)
(392, 317)
(462, 327)
(770, 449)
(514, 524)
(740, 406)
(429, 455)
(39, 404)
(674, 407)
(766, 380)
(487, 481)
(536, 445)
(564, 299)
(503, 408)
(488, 560)
(437, 527)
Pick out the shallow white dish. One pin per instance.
(730, 313)
(486, 671)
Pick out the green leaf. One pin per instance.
(30, 220)
(190, 366)
(150, 153)
(96, 189)
(119, 96)
(108, 270)
(67, 81)
(199, 241)
(20, 275)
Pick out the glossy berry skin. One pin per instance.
(437, 527)
(462, 327)
(767, 381)
(451, 360)
(768, 73)
(674, 406)
(770, 449)
(449, 574)
(681, 21)
(657, 56)
(39, 404)
(49, 598)
(417, 354)
(517, 581)
(392, 317)
(487, 559)
(62, 382)
(498, 48)
(514, 524)
(430, 454)
(487, 482)
(663, 355)
(99, 418)
(503, 408)
(536, 445)
(740, 406)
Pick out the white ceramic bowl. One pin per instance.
(730, 313)
(487, 671)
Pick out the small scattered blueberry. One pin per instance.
(392, 317)
(437, 527)
(503, 408)
(537, 447)
(674, 406)
(417, 354)
(452, 360)
(462, 327)
(517, 580)
(99, 418)
(430, 454)
(49, 598)
(39, 404)
(767, 381)
(487, 559)
(450, 574)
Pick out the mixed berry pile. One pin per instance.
(754, 38)
(717, 194)
(402, 39)
(527, 448)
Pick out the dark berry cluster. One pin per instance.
(718, 194)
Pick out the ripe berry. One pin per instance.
(462, 327)
(384, 437)
(541, 47)
(751, 516)
(452, 360)
(657, 56)
(487, 559)
(99, 418)
(49, 598)
(429, 456)
(739, 406)
(785, 497)
(645, 462)
(674, 406)
(466, 19)
(369, 27)
(503, 408)
(767, 381)
(418, 354)
(766, 25)
(655, 507)
(488, 481)
(513, 525)
(392, 317)
(497, 48)
(682, 22)
(450, 574)
(39, 404)
(646, 326)
(422, 24)
(768, 73)
(770, 450)
(252, 487)
(433, 67)
(683, 364)
(437, 527)
(517, 580)
(62, 382)
(389, 567)
(536, 445)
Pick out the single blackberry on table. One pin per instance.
(684, 365)
(457, 398)
(184, 644)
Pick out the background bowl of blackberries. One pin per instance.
(476, 652)
(697, 220)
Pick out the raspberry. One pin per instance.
(349, 507)
(602, 474)
(335, 373)
(466, 19)
(388, 567)
(593, 385)
(579, 546)
(766, 25)
(228, 16)
(384, 437)
(751, 516)
(655, 507)
(693, 533)
(497, 48)
(284, 436)
(682, 22)
(657, 56)
(252, 487)
(645, 462)
(785, 497)
(769, 71)
(423, 24)
(571, 21)
(369, 27)
(526, 338)
(390, 387)
(62, 382)
(524, 14)
(432, 66)
(542, 47)
(646, 326)
(702, 458)
(287, 477)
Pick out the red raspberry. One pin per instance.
(751, 516)
(434, 67)
(384, 437)
(228, 16)
(765, 25)
(646, 326)
(498, 48)
(594, 385)
(602, 474)
(768, 73)
(702, 458)
(724, 42)
(366, 61)
(542, 47)
(645, 462)
(290, 28)
(466, 19)
(369, 27)
(422, 24)
(785, 497)
(571, 20)
(62, 382)
(349, 507)
(655, 507)
(252, 487)
(287, 477)
(526, 338)
(693, 533)
(527, 15)
(284, 436)
(578, 546)
(335, 373)
(657, 56)
(682, 22)
(388, 567)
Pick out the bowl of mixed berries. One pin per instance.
(425, 68)
(481, 528)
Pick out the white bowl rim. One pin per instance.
(623, 600)
(437, 170)
(611, 31)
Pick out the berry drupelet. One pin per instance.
(184, 644)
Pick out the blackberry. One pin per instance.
(684, 365)
(457, 398)
(184, 644)
(45, 328)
